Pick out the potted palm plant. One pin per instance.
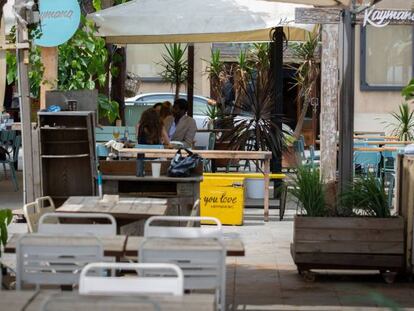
(175, 66)
(360, 234)
(403, 123)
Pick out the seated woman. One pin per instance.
(151, 130)
(166, 110)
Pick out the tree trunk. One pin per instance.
(299, 124)
(177, 91)
(118, 84)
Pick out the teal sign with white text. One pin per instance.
(59, 20)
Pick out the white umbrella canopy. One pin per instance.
(164, 21)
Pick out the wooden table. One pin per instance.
(376, 149)
(34, 301)
(123, 245)
(234, 246)
(388, 142)
(182, 192)
(124, 210)
(113, 246)
(375, 137)
(266, 156)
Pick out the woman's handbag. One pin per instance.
(181, 166)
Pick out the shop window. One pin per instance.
(386, 57)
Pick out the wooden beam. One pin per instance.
(23, 86)
(317, 16)
(329, 102)
(49, 57)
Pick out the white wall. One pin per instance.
(144, 59)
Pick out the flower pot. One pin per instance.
(254, 188)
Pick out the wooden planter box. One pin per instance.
(348, 243)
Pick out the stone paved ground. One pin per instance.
(266, 278)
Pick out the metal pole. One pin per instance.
(277, 71)
(190, 79)
(346, 105)
(276, 48)
(22, 56)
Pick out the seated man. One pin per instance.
(179, 126)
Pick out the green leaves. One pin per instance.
(408, 91)
(11, 67)
(175, 66)
(258, 129)
(403, 123)
(97, 5)
(367, 196)
(309, 190)
(5, 219)
(83, 59)
(108, 108)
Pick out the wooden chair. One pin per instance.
(145, 282)
(32, 216)
(49, 208)
(34, 210)
(54, 260)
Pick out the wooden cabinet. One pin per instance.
(67, 154)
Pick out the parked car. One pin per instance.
(134, 107)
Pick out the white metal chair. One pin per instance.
(54, 260)
(144, 283)
(96, 229)
(183, 232)
(203, 267)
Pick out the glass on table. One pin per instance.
(116, 133)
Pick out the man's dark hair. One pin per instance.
(156, 105)
(181, 103)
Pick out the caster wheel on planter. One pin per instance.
(308, 276)
(389, 277)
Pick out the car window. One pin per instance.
(157, 98)
(199, 106)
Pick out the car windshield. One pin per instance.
(199, 105)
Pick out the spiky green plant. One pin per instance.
(216, 71)
(5, 220)
(403, 123)
(366, 196)
(307, 73)
(175, 66)
(309, 190)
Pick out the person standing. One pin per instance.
(180, 126)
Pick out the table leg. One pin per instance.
(266, 189)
